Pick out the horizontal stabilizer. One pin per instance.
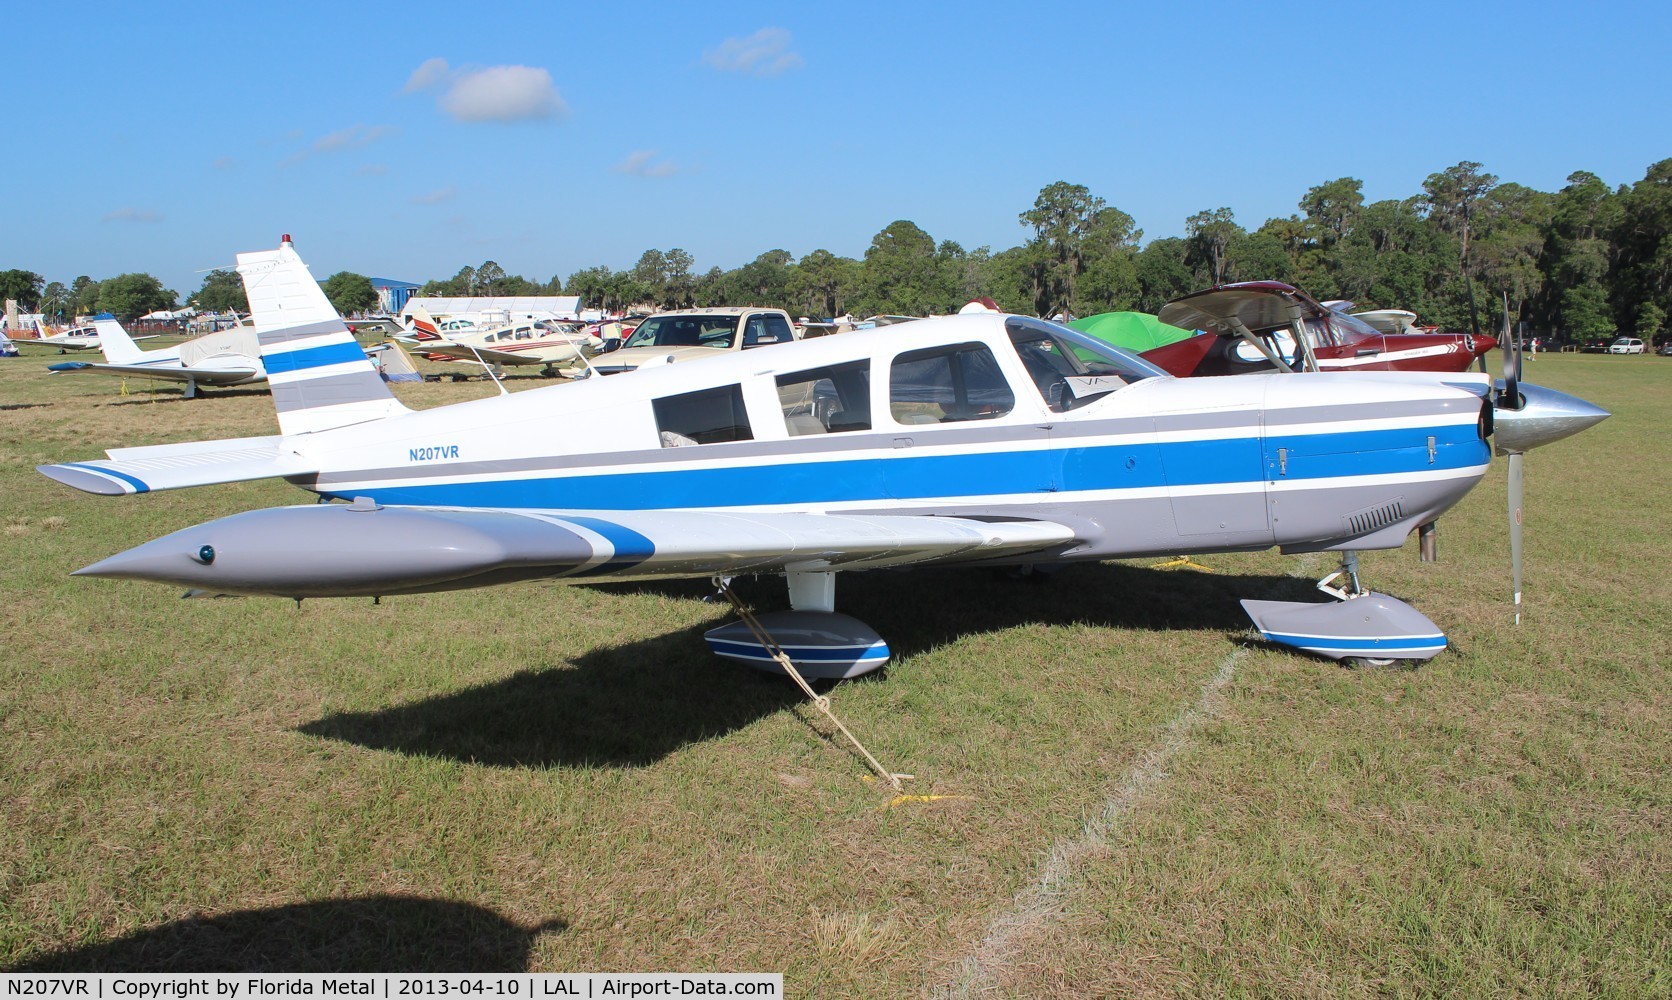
(171, 467)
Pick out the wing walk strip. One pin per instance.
(1040, 903)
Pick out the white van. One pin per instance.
(1627, 345)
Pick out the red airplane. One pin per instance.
(1251, 326)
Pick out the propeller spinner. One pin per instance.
(1524, 417)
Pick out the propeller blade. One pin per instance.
(1512, 364)
(1515, 489)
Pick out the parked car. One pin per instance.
(1627, 345)
(689, 334)
(1665, 350)
(1595, 345)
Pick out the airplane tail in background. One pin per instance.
(319, 375)
(114, 343)
(424, 326)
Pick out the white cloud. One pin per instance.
(639, 164)
(428, 74)
(491, 94)
(353, 137)
(503, 94)
(436, 197)
(767, 52)
(130, 214)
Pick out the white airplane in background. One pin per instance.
(556, 344)
(80, 338)
(230, 357)
(980, 439)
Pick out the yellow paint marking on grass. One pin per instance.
(901, 800)
(1040, 902)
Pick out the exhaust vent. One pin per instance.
(1363, 522)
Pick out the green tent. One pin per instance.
(1134, 331)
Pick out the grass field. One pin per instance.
(1141, 799)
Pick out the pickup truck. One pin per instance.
(688, 334)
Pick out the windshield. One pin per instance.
(684, 331)
(1071, 368)
(1351, 326)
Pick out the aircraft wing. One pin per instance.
(60, 346)
(466, 353)
(202, 376)
(336, 550)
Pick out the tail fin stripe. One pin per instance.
(310, 374)
(306, 356)
(276, 337)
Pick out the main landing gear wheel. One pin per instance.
(1377, 663)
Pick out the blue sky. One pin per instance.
(409, 140)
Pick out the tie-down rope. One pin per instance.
(820, 701)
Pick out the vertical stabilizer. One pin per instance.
(319, 375)
(424, 326)
(114, 342)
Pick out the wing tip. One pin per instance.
(89, 479)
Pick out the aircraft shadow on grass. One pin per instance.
(632, 705)
(361, 934)
(171, 394)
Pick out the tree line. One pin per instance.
(1585, 261)
(130, 296)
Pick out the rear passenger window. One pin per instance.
(825, 400)
(947, 384)
(706, 417)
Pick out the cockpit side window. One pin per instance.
(947, 384)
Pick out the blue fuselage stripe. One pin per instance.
(1140, 464)
(313, 357)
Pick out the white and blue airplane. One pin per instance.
(80, 338)
(979, 439)
(228, 358)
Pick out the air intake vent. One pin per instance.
(1363, 522)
